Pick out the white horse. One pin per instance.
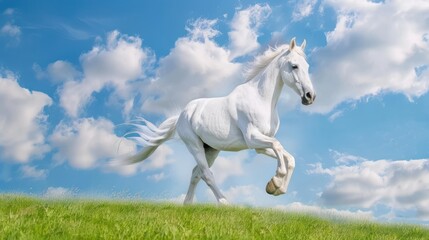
(247, 118)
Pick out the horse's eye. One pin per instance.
(294, 66)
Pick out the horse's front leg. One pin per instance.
(290, 166)
(256, 140)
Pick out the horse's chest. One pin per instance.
(268, 128)
(266, 122)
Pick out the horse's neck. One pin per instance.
(269, 84)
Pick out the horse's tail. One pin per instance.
(150, 136)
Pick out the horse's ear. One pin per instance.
(292, 44)
(303, 45)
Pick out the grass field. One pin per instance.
(32, 218)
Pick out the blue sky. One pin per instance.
(71, 71)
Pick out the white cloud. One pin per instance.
(159, 159)
(32, 172)
(58, 192)
(74, 32)
(22, 123)
(57, 72)
(399, 185)
(156, 177)
(332, 213)
(247, 194)
(40, 74)
(115, 64)
(374, 48)
(61, 71)
(9, 12)
(344, 158)
(225, 167)
(244, 26)
(335, 115)
(11, 30)
(117, 165)
(196, 66)
(303, 9)
(87, 143)
(202, 29)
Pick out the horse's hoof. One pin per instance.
(223, 202)
(270, 188)
(279, 191)
(274, 188)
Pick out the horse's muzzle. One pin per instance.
(308, 98)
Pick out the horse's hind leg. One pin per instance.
(195, 178)
(196, 148)
(211, 155)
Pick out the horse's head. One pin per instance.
(294, 72)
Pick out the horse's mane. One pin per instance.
(263, 60)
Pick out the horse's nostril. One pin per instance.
(308, 95)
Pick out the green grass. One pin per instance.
(32, 218)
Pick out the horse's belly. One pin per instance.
(227, 139)
(210, 120)
(218, 130)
